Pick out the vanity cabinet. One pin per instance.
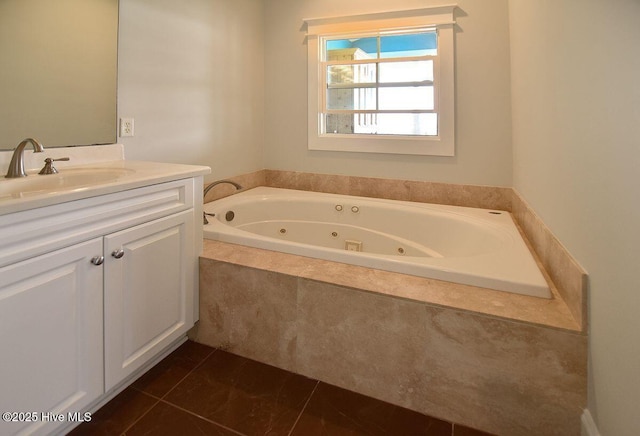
(91, 291)
(51, 337)
(148, 292)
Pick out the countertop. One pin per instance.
(140, 174)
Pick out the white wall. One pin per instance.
(483, 143)
(191, 74)
(576, 141)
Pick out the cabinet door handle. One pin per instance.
(118, 253)
(97, 260)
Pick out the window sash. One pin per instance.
(379, 85)
(380, 111)
(326, 86)
(380, 60)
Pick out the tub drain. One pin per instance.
(283, 231)
(400, 250)
(334, 234)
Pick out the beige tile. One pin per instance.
(568, 276)
(495, 375)
(487, 197)
(249, 312)
(503, 377)
(255, 257)
(368, 343)
(328, 183)
(552, 313)
(379, 188)
(287, 180)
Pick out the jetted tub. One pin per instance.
(471, 246)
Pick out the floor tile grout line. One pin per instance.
(168, 403)
(189, 373)
(132, 386)
(143, 415)
(158, 400)
(201, 417)
(303, 408)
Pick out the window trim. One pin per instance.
(440, 18)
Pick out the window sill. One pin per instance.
(390, 144)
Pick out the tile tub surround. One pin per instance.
(486, 197)
(499, 362)
(568, 277)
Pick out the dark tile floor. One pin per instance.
(198, 390)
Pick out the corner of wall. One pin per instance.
(587, 425)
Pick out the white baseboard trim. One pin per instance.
(589, 427)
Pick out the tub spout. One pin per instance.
(209, 187)
(218, 182)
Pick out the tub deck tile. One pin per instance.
(552, 313)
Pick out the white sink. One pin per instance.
(66, 180)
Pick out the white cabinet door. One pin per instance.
(148, 292)
(51, 327)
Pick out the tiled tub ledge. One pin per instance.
(499, 362)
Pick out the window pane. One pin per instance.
(406, 98)
(407, 124)
(413, 71)
(382, 124)
(358, 98)
(347, 49)
(338, 44)
(414, 44)
(339, 123)
(342, 74)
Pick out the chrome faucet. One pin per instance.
(16, 167)
(209, 187)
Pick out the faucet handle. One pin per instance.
(48, 165)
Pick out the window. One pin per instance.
(382, 82)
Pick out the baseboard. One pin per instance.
(589, 427)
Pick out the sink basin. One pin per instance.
(65, 180)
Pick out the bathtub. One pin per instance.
(477, 247)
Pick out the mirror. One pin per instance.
(59, 72)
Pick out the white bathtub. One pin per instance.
(476, 247)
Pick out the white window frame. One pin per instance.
(441, 19)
